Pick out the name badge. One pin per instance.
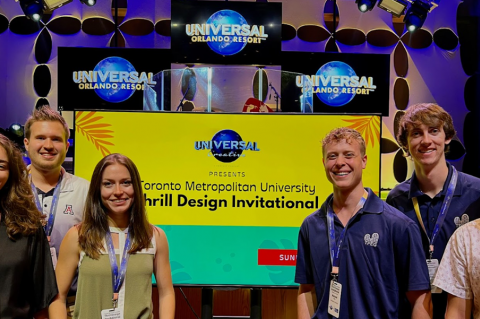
(334, 298)
(432, 271)
(53, 253)
(111, 314)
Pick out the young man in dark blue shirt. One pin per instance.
(358, 257)
(437, 197)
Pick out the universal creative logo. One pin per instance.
(226, 32)
(114, 79)
(227, 146)
(336, 83)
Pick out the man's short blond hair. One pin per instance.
(344, 133)
(45, 113)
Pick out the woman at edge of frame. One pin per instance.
(115, 226)
(27, 278)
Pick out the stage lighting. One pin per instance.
(365, 5)
(15, 133)
(33, 9)
(395, 7)
(54, 4)
(16, 130)
(416, 15)
(89, 2)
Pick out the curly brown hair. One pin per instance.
(94, 227)
(21, 215)
(429, 114)
(344, 133)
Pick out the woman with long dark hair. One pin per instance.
(27, 278)
(116, 251)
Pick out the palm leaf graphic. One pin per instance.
(88, 125)
(368, 126)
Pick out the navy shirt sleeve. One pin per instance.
(412, 270)
(389, 199)
(303, 270)
(398, 192)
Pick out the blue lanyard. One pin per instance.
(443, 210)
(53, 208)
(334, 248)
(117, 277)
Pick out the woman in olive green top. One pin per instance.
(116, 251)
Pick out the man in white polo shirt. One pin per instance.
(58, 194)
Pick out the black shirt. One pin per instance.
(27, 278)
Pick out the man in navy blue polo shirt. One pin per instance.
(358, 258)
(437, 197)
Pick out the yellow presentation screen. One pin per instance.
(229, 190)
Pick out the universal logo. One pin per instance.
(336, 83)
(114, 79)
(226, 32)
(226, 146)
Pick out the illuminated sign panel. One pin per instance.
(98, 78)
(346, 83)
(226, 32)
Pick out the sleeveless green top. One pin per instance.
(94, 291)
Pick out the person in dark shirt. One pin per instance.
(27, 278)
(437, 197)
(358, 257)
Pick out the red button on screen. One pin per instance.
(277, 257)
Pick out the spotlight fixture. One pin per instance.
(89, 3)
(416, 15)
(55, 4)
(16, 130)
(395, 7)
(15, 133)
(365, 5)
(416, 10)
(33, 9)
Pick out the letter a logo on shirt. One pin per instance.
(68, 210)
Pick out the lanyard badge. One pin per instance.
(443, 211)
(334, 248)
(335, 294)
(432, 264)
(118, 277)
(53, 208)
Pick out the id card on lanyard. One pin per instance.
(336, 287)
(51, 216)
(118, 276)
(433, 263)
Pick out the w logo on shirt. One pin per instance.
(371, 240)
(461, 221)
(68, 210)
